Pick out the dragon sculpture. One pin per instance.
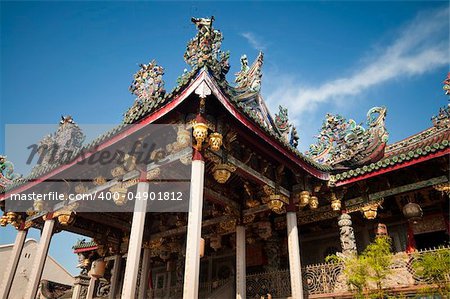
(204, 48)
(7, 174)
(247, 93)
(346, 144)
(282, 122)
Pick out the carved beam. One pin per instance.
(355, 203)
(249, 172)
(220, 199)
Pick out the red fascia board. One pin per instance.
(394, 167)
(85, 249)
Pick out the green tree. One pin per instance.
(379, 259)
(434, 267)
(372, 265)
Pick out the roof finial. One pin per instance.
(204, 48)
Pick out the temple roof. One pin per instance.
(430, 143)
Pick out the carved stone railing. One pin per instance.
(276, 283)
(205, 289)
(329, 278)
(323, 279)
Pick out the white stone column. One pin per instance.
(135, 244)
(39, 259)
(192, 264)
(10, 270)
(143, 281)
(241, 274)
(295, 269)
(115, 276)
(91, 288)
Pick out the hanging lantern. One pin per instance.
(313, 202)
(98, 268)
(115, 172)
(222, 172)
(335, 203)
(66, 218)
(381, 230)
(215, 141)
(183, 137)
(3, 220)
(98, 181)
(370, 211)
(80, 189)
(303, 199)
(119, 195)
(11, 217)
(200, 133)
(412, 211)
(202, 247)
(38, 205)
(275, 204)
(86, 262)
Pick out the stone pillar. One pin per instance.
(10, 270)
(241, 274)
(143, 281)
(115, 276)
(91, 288)
(80, 287)
(192, 263)
(347, 235)
(135, 245)
(295, 269)
(39, 260)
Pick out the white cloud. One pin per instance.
(254, 41)
(418, 48)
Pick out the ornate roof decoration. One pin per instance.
(204, 48)
(249, 78)
(446, 86)
(82, 243)
(343, 143)
(148, 86)
(7, 174)
(443, 118)
(57, 148)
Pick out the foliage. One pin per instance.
(434, 267)
(379, 259)
(372, 265)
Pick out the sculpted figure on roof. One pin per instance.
(7, 174)
(57, 147)
(204, 48)
(249, 78)
(147, 86)
(148, 83)
(344, 143)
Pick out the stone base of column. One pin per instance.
(80, 287)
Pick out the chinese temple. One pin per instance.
(262, 216)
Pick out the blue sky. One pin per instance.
(78, 58)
